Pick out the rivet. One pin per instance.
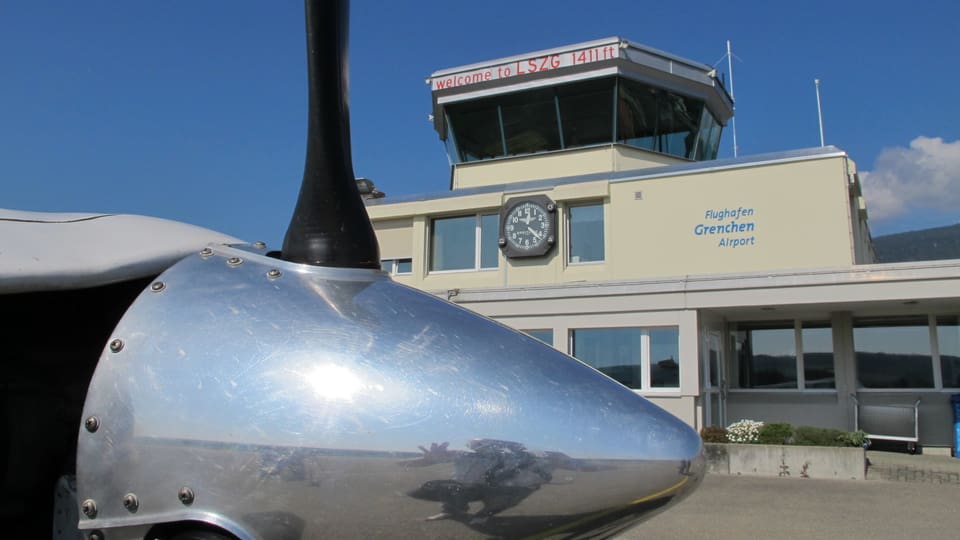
(95, 535)
(185, 495)
(158, 286)
(259, 245)
(89, 508)
(274, 273)
(130, 502)
(92, 424)
(116, 345)
(206, 252)
(502, 242)
(234, 261)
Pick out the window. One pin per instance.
(397, 267)
(785, 355)
(597, 111)
(908, 352)
(545, 336)
(464, 243)
(530, 122)
(893, 353)
(585, 233)
(639, 358)
(586, 112)
(477, 129)
(658, 120)
(767, 358)
(948, 345)
(817, 343)
(709, 140)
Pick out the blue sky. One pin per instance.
(195, 110)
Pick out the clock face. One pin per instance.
(527, 227)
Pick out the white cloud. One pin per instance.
(924, 176)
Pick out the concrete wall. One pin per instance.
(787, 461)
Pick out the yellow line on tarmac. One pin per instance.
(674, 487)
(567, 526)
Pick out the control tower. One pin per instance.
(594, 107)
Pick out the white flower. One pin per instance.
(744, 431)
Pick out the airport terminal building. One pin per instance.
(587, 208)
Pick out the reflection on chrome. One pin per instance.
(499, 474)
(334, 383)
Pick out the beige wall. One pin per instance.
(559, 164)
(683, 407)
(395, 237)
(794, 215)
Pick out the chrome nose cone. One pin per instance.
(536, 443)
(341, 404)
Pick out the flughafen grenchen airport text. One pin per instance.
(526, 65)
(730, 228)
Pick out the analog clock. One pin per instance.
(528, 226)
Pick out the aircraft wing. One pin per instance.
(58, 251)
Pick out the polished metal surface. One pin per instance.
(335, 403)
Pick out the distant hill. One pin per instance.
(923, 245)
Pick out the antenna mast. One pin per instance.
(816, 83)
(733, 119)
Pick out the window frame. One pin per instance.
(476, 117)
(395, 263)
(477, 242)
(568, 232)
(935, 359)
(797, 326)
(644, 361)
(938, 361)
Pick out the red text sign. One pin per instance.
(525, 66)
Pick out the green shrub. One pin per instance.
(855, 438)
(818, 436)
(713, 434)
(776, 433)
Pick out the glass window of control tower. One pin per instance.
(709, 139)
(530, 122)
(658, 120)
(586, 114)
(582, 114)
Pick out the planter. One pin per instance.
(786, 461)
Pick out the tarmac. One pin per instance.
(904, 496)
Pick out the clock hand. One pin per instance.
(534, 233)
